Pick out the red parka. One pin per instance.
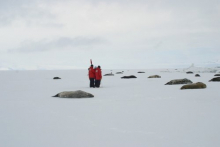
(91, 72)
(98, 74)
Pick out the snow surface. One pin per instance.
(138, 112)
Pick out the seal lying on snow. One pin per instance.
(217, 75)
(128, 77)
(154, 76)
(141, 72)
(197, 75)
(189, 72)
(55, 78)
(179, 81)
(109, 74)
(215, 79)
(74, 94)
(198, 85)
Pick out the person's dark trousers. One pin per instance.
(97, 83)
(91, 82)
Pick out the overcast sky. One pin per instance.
(66, 34)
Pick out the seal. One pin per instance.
(109, 74)
(154, 76)
(119, 72)
(215, 79)
(179, 81)
(197, 75)
(128, 77)
(189, 72)
(74, 94)
(198, 85)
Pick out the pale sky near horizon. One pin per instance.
(66, 34)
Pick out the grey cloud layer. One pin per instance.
(32, 12)
(59, 44)
(27, 11)
(162, 30)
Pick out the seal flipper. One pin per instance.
(56, 95)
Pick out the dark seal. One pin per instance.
(215, 79)
(189, 72)
(128, 77)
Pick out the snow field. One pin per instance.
(124, 112)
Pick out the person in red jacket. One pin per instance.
(91, 76)
(98, 76)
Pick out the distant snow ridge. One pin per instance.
(167, 70)
(200, 69)
(215, 63)
(3, 68)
